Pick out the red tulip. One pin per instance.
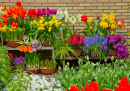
(98, 17)
(18, 3)
(79, 43)
(74, 88)
(84, 18)
(106, 89)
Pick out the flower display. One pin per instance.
(25, 48)
(116, 42)
(93, 86)
(19, 62)
(48, 64)
(95, 46)
(76, 41)
(16, 12)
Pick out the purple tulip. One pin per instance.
(43, 9)
(44, 13)
(47, 9)
(48, 14)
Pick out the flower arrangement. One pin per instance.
(32, 60)
(116, 42)
(93, 86)
(107, 25)
(47, 27)
(14, 33)
(48, 64)
(76, 41)
(16, 14)
(19, 63)
(95, 46)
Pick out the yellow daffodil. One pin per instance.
(104, 24)
(49, 29)
(44, 32)
(101, 33)
(112, 32)
(54, 17)
(34, 22)
(112, 15)
(46, 23)
(129, 33)
(113, 26)
(41, 18)
(40, 21)
(90, 27)
(105, 16)
(63, 24)
(90, 19)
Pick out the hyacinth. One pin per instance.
(35, 45)
(99, 40)
(18, 60)
(119, 47)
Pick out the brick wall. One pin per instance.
(87, 7)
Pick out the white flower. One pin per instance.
(66, 13)
(59, 14)
(72, 20)
(79, 17)
(66, 18)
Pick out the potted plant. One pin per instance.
(13, 35)
(32, 62)
(33, 58)
(76, 42)
(46, 27)
(95, 47)
(47, 66)
(116, 45)
(19, 63)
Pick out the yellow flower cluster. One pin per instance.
(104, 24)
(42, 25)
(108, 21)
(15, 29)
(3, 29)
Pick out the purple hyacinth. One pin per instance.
(18, 60)
(108, 37)
(111, 41)
(24, 37)
(123, 38)
(104, 48)
(118, 36)
(83, 48)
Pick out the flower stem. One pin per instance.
(73, 28)
(1, 39)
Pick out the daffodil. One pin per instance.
(49, 29)
(101, 33)
(72, 20)
(90, 19)
(54, 17)
(104, 24)
(90, 27)
(112, 32)
(63, 24)
(129, 33)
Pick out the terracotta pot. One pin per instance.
(78, 52)
(47, 71)
(63, 56)
(113, 52)
(12, 43)
(34, 71)
(46, 43)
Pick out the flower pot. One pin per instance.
(46, 43)
(113, 52)
(34, 71)
(47, 71)
(78, 52)
(12, 43)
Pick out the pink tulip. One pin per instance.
(79, 43)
